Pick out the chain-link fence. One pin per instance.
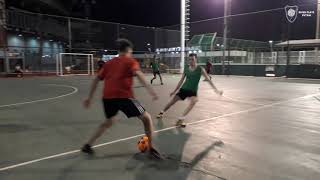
(241, 43)
(34, 40)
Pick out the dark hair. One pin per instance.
(193, 55)
(123, 45)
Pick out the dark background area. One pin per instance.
(262, 27)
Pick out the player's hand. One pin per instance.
(87, 103)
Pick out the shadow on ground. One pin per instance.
(172, 167)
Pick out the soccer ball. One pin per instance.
(143, 144)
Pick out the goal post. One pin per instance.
(74, 64)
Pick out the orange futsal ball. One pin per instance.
(143, 144)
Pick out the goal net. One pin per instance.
(74, 64)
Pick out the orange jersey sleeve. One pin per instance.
(135, 66)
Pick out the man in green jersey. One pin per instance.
(188, 88)
(156, 70)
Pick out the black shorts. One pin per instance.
(130, 107)
(183, 94)
(156, 72)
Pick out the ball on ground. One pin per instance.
(143, 144)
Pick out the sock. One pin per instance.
(182, 118)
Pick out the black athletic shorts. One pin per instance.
(156, 72)
(130, 107)
(183, 94)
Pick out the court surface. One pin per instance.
(262, 129)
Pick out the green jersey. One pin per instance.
(192, 79)
(155, 66)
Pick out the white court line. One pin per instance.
(317, 98)
(243, 102)
(75, 90)
(161, 130)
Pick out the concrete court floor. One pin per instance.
(262, 129)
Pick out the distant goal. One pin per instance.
(74, 64)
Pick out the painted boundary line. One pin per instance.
(158, 131)
(75, 90)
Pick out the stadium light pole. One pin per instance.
(225, 33)
(182, 34)
(318, 28)
(318, 20)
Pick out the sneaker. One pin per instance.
(161, 83)
(160, 115)
(181, 123)
(151, 81)
(87, 149)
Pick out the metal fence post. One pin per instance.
(70, 34)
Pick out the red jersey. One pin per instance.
(118, 77)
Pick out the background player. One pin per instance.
(209, 67)
(118, 93)
(156, 70)
(190, 83)
(100, 64)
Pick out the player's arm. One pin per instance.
(143, 81)
(204, 73)
(93, 89)
(179, 84)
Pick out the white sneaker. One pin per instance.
(160, 115)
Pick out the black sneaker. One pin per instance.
(151, 81)
(161, 83)
(87, 149)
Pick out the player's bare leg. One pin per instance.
(148, 128)
(173, 101)
(154, 77)
(193, 102)
(100, 131)
(161, 79)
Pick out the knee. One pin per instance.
(146, 117)
(194, 101)
(107, 124)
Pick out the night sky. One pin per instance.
(263, 27)
(159, 13)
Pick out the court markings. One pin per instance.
(158, 131)
(75, 90)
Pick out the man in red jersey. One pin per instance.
(118, 95)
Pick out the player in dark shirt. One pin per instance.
(155, 65)
(18, 71)
(100, 64)
(209, 67)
